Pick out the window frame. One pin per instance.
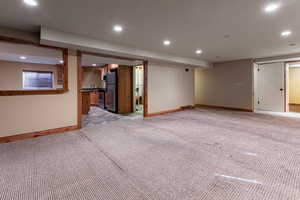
(37, 91)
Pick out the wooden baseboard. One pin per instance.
(36, 134)
(187, 107)
(224, 107)
(163, 112)
(170, 111)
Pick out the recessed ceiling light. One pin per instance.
(31, 2)
(272, 7)
(61, 61)
(23, 57)
(94, 65)
(199, 51)
(118, 28)
(286, 33)
(167, 42)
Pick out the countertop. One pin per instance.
(93, 90)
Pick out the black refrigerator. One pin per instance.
(111, 91)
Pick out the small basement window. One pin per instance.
(37, 80)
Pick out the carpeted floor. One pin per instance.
(200, 154)
(98, 116)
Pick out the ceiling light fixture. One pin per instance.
(94, 65)
(199, 51)
(61, 61)
(31, 2)
(167, 42)
(23, 57)
(118, 28)
(286, 33)
(272, 7)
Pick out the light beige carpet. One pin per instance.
(198, 154)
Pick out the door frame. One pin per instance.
(287, 83)
(79, 80)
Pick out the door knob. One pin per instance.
(281, 89)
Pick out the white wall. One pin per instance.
(169, 87)
(11, 77)
(24, 114)
(228, 84)
(294, 85)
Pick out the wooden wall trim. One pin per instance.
(145, 64)
(182, 108)
(164, 112)
(79, 85)
(224, 107)
(31, 92)
(36, 134)
(65, 69)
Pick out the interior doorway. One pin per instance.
(293, 85)
(138, 89)
(277, 87)
(111, 88)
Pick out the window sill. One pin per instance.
(32, 92)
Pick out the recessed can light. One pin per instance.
(272, 7)
(31, 2)
(286, 33)
(167, 42)
(23, 57)
(199, 51)
(118, 28)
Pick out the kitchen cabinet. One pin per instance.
(94, 96)
(86, 102)
(125, 89)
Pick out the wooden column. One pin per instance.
(79, 85)
(145, 63)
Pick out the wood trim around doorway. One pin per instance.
(79, 86)
(145, 63)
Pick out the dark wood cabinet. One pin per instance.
(86, 102)
(94, 95)
(125, 89)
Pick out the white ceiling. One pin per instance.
(190, 25)
(33, 54)
(89, 60)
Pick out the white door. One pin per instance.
(270, 86)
